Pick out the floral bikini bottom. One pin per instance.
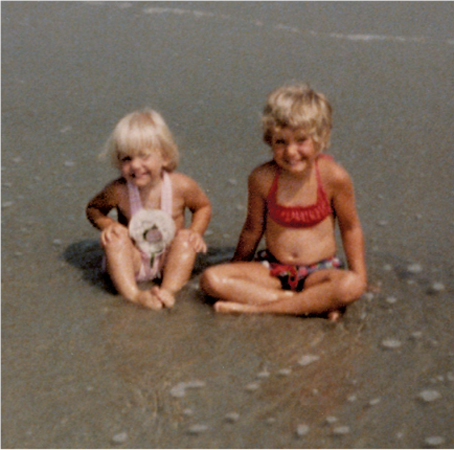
(293, 277)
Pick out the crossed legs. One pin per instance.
(248, 287)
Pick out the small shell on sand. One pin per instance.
(302, 429)
(414, 268)
(197, 429)
(331, 419)
(284, 372)
(195, 384)
(232, 417)
(263, 374)
(179, 390)
(391, 343)
(435, 441)
(436, 287)
(252, 387)
(341, 430)
(375, 401)
(120, 438)
(429, 395)
(308, 359)
(391, 300)
(416, 335)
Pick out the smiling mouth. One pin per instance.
(140, 175)
(295, 162)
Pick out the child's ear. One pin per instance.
(166, 162)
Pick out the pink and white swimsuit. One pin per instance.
(149, 272)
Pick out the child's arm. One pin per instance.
(98, 209)
(99, 206)
(254, 226)
(349, 224)
(199, 205)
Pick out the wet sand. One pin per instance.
(83, 369)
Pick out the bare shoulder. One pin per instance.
(261, 178)
(117, 190)
(181, 182)
(334, 175)
(119, 184)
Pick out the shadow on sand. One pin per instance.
(87, 256)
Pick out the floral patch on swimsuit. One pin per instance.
(152, 231)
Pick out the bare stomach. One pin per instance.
(301, 245)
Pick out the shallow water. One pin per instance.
(83, 369)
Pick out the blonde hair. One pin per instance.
(298, 106)
(142, 132)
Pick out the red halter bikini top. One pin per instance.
(299, 216)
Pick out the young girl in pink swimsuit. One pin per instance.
(294, 201)
(149, 240)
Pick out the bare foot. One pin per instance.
(233, 307)
(335, 316)
(166, 297)
(148, 300)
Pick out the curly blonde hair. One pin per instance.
(298, 106)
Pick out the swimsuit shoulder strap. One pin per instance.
(134, 198)
(166, 193)
(320, 188)
(271, 197)
(166, 196)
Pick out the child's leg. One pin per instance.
(242, 282)
(177, 269)
(123, 262)
(325, 290)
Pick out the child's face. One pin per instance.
(142, 169)
(293, 149)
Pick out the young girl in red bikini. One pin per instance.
(294, 201)
(149, 240)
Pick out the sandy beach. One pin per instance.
(81, 368)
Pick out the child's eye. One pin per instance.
(125, 158)
(143, 155)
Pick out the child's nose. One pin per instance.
(135, 162)
(292, 148)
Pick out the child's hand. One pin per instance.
(195, 240)
(114, 230)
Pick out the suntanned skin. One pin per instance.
(123, 258)
(246, 286)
